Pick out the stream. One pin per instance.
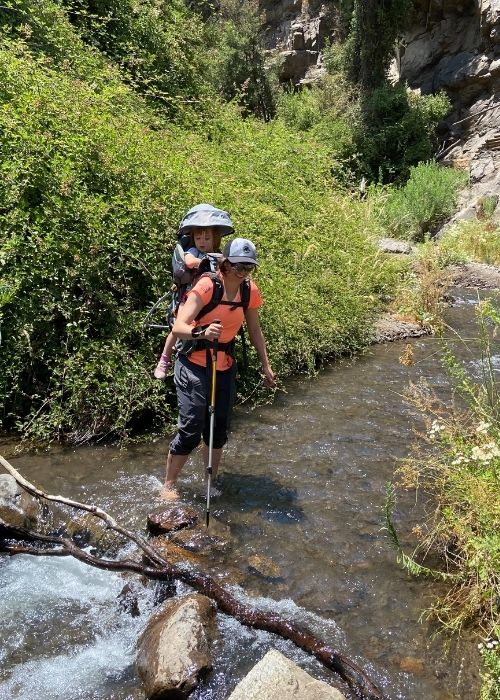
(303, 492)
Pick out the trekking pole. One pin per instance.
(211, 411)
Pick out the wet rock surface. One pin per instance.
(198, 541)
(171, 519)
(17, 508)
(476, 275)
(174, 651)
(388, 328)
(212, 558)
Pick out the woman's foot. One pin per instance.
(162, 367)
(169, 493)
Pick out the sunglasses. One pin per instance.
(243, 267)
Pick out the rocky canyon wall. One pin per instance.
(451, 45)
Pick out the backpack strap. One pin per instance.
(186, 347)
(217, 294)
(245, 300)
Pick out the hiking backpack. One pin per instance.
(186, 347)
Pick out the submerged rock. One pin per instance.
(128, 600)
(410, 664)
(174, 649)
(200, 541)
(212, 562)
(277, 678)
(264, 566)
(18, 510)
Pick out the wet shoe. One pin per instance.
(162, 367)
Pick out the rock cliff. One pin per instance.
(297, 30)
(450, 45)
(455, 46)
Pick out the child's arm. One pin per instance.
(191, 261)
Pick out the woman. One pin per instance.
(203, 332)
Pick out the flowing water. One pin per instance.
(303, 491)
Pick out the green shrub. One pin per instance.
(460, 468)
(490, 652)
(236, 60)
(395, 131)
(93, 191)
(157, 47)
(299, 110)
(421, 205)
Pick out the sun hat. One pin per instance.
(240, 250)
(203, 215)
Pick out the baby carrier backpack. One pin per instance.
(183, 278)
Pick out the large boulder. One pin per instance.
(174, 649)
(277, 678)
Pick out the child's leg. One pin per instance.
(165, 360)
(169, 347)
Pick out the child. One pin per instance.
(204, 240)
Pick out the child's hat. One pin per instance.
(203, 215)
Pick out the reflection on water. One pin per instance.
(303, 486)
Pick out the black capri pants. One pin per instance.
(192, 383)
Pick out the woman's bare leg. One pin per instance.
(174, 467)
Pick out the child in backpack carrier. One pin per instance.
(205, 225)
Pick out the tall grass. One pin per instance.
(460, 469)
(419, 207)
(471, 241)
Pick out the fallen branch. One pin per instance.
(110, 522)
(162, 570)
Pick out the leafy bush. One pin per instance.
(299, 110)
(238, 69)
(423, 203)
(490, 652)
(159, 49)
(158, 45)
(396, 131)
(94, 188)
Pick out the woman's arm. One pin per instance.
(258, 341)
(186, 315)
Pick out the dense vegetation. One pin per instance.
(459, 465)
(113, 125)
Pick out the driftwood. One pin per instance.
(160, 569)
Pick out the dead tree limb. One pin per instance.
(110, 522)
(162, 570)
